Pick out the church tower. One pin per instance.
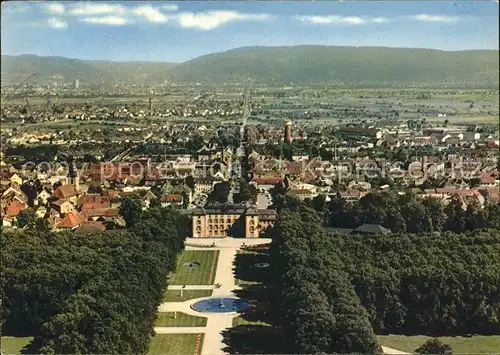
(288, 132)
(73, 177)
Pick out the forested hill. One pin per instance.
(349, 66)
(17, 68)
(296, 65)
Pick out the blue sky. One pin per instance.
(179, 31)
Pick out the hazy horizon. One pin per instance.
(238, 48)
(177, 32)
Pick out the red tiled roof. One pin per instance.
(71, 220)
(65, 191)
(14, 208)
(267, 181)
(97, 212)
(487, 179)
(466, 192)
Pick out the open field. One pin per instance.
(460, 345)
(204, 274)
(175, 295)
(175, 344)
(100, 100)
(166, 319)
(467, 119)
(13, 345)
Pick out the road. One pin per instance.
(217, 323)
(240, 151)
(246, 113)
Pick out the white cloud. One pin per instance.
(98, 9)
(14, 7)
(213, 19)
(117, 14)
(107, 20)
(55, 8)
(380, 20)
(334, 19)
(56, 23)
(150, 13)
(434, 18)
(170, 7)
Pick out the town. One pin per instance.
(230, 160)
(190, 153)
(215, 178)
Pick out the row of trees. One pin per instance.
(93, 293)
(405, 213)
(336, 291)
(420, 284)
(319, 309)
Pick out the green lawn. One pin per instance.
(245, 271)
(245, 282)
(166, 319)
(460, 345)
(202, 275)
(175, 295)
(13, 345)
(240, 321)
(175, 344)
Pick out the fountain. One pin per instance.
(191, 265)
(261, 265)
(220, 305)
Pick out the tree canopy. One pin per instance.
(95, 293)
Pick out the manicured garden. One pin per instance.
(201, 274)
(179, 319)
(175, 295)
(176, 344)
(246, 271)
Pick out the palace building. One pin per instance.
(231, 221)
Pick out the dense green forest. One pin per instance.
(423, 284)
(319, 309)
(300, 65)
(402, 213)
(337, 291)
(93, 293)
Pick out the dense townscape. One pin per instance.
(198, 208)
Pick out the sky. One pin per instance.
(179, 31)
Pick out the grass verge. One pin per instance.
(478, 344)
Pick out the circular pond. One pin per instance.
(220, 305)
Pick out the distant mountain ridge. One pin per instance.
(14, 69)
(299, 65)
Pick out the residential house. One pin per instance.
(43, 197)
(302, 193)
(16, 179)
(171, 200)
(265, 184)
(71, 220)
(66, 192)
(62, 206)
